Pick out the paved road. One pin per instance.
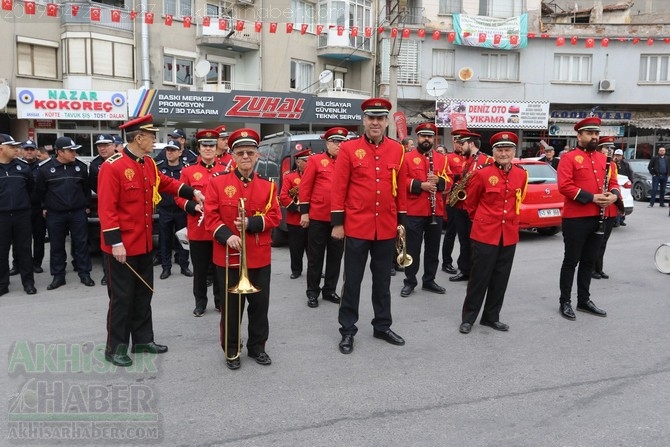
(547, 382)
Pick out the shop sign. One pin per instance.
(45, 124)
(494, 114)
(568, 130)
(42, 103)
(581, 114)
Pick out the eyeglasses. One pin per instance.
(337, 142)
(247, 153)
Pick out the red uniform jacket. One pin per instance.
(316, 186)
(418, 165)
(226, 160)
(493, 203)
(291, 180)
(581, 175)
(456, 162)
(197, 176)
(480, 159)
(261, 207)
(371, 188)
(125, 205)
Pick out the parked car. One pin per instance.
(625, 186)
(641, 189)
(543, 205)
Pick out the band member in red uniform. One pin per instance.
(223, 156)
(455, 161)
(494, 200)
(200, 242)
(581, 178)
(288, 198)
(222, 220)
(369, 200)
(426, 180)
(129, 186)
(315, 192)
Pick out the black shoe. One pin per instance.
(392, 271)
(165, 274)
(449, 269)
(590, 308)
(56, 283)
(459, 277)
(312, 301)
(347, 344)
(14, 271)
(152, 348)
(186, 272)
(623, 224)
(432, 286)
(497, 325)
(650, 206)
(87, 281)
(661, 205)
(604, 275)
(596, 275)
(566, 310)
(406, 290)
(119, 360)
(233, 364)
(199, 312)
(465, 328)
(332, 297)
(103, 281)
(210, 282)
(38, 269)
(218, 308)
(389, 336)
(295, 275)
(262, 358)
(4, 291)
(30, 290)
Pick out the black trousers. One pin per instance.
(58, 223)
(320, 244)
(355, 258)
(39, 231)
(449, 236)
(201, 257)
(420, 229)
(461, 225)
(581, 247)
(257, 311)
(129, 311)
(169, 222)
(16, 232)
(297, 244)
(491, 267)
(609, 224)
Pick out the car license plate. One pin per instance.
(552, 212)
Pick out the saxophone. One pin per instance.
(293, 193)
(458, 192)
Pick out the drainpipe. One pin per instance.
(144, 48)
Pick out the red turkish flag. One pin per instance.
(303, 28)
(340, 30)
(650, 41)
(133, 15)
(187, 21)
(368, 31)
(436, 35)
(405, 33)
(168, 19)
(590, 42)
(451, 36)
(289, 28)
(29, 7)
(95, 14)
(258, 26)
(636, 40)
(514, 39)
(52, 9)
(544, 35)
(116, 15)
(319, 29)
(531, 35)
(394, 32)
(666, 40)
(149, 18)
(223, 24)
(7, 5)
(560, 41)
(273, 27)
(604, 42)
(206, 21)
(496, 39)
(239, 25)
(354, 31)
(421, 33)
(482, 37)
(573, 40)
(380, 30)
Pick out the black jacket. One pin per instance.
(654, 168)
(554, 161)
(16, 185)
(63, 187)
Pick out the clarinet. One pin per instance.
(601, 217)
(432, 194)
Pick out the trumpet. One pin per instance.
(403, 258)
(293, 193)
(243, 286)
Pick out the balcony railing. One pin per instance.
(248, 33)
(412, 16)
(83, 16)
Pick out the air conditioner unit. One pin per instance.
(606, 85)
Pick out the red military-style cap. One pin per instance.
(590, 123)
(466, 135)
(207, 137)
(145, 123)
(335, 134)
(376, 107)
(222, 131)
(606, 141)
(426, 129)
(504, 139)
(243, 137)
(302, 153)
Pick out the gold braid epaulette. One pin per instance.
(114, 157)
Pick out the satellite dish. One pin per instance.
(465, 74)
(4, 95)
(202, 68)
(325, 76)
(437, 87)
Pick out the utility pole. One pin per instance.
(395, 19)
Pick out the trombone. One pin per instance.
(243, 286)
(403, 258)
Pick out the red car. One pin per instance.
(542, 208)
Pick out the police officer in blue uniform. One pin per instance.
(106, 147)
(64, 188)
(188, 157)
(16, 185)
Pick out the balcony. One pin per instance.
(344, 47)
(228, 86)
(83, 16)
(412, 17)
(229, 39)
(340, 92)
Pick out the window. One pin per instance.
(37, 60)
(408, 61)
(301, 76)
(99, 57)
(360, 13)
(450, 6)
(178, 8)
(218, 10)
(177, 70)
(654, 68)
(444, 64)
(76, 61)
(502, 8)
(500, 66)
(572, 68)
(220, 74)
(302, 12)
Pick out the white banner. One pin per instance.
(43, 103)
